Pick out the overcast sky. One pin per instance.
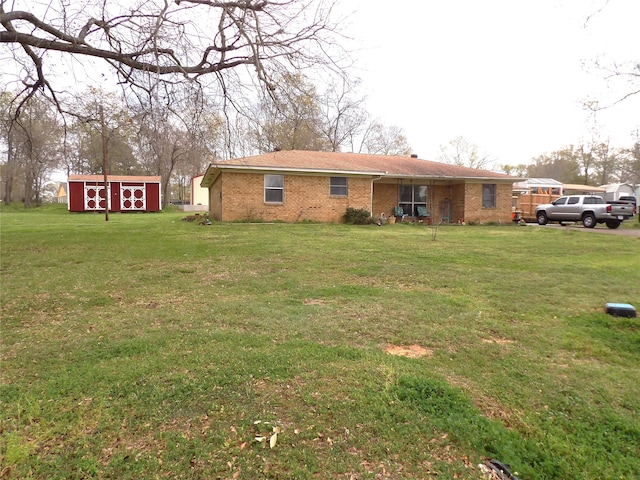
(509, 75)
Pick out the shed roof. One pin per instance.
(581, 188)
(538, 182)
(390, 166)
(114, 178)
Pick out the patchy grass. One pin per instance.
(149, 347)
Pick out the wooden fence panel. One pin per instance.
(527, 203)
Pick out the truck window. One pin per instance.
(573, 200)
(560, 201)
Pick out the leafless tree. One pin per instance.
(620, 75)
(293, 121)
(33, 149)
(151, 41)
(630, 166)
(94, 113)
(460, 151)
(343, 114)
(173, 134)
(379, 139)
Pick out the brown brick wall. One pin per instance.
(215, 199)
(473, 204)
(385, 197)
(306, 197)
(240, 196)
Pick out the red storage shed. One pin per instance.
(125, 193)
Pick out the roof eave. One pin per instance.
(453, 177)
(261, 168)
(214, 170)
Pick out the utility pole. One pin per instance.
(104, 163)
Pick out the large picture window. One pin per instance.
(274, 188)
(338, 186)
(489, 195)
(411, 197)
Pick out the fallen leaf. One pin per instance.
(260, 439)
(273, 440)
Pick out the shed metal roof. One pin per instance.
(114, 178)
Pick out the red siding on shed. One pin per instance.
(153, 197)
(76, 196)
(126, 194)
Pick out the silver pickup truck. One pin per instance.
(588, 209)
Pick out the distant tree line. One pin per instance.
(596, 163)
(200, 81)
(176, 139)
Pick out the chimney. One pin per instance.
(414, 155)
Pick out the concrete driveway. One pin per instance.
(624, 232)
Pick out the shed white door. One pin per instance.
(132, 198)
(94, 197)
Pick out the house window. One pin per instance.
(489, 195)
(338, 186)
(274, 188)
(411, 197)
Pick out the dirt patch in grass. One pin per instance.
(499, 341)
(410, 351)
(313, 301)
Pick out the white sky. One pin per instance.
(509, 75)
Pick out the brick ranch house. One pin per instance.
(298, 185)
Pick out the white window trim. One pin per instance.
(278, 202)
(495, 197)
(345, 186)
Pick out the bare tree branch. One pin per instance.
(171, 41)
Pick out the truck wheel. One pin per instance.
(589, 220)
(542, 218)
(613, 224)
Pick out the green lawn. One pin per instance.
(150, 347)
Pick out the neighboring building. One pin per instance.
(199, 195)
(61, 193)
(613, 191)
(577, 189)
(300, 185)
(126, 193)
(539, 186)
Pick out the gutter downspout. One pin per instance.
(371, 196)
